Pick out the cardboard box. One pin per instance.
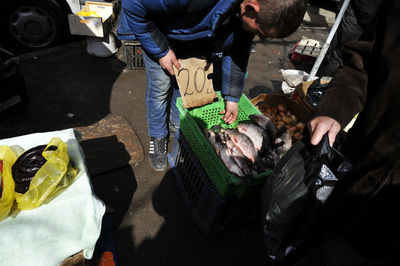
(92, 25)
(302, 113)
(299, 110)
(299, 96)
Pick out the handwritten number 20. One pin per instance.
(199, 89)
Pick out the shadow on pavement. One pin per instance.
(180, 242)
(65, 88)
(116, 189)
(104, 154)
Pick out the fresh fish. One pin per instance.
(266, 123)
(229, 162)
(239, 158)
(211, 138)
(222, 137)
(222, 151)
(266, 162)
(254, 132)
(244, 143)
(271, 159)
(251, 148)
(260, 166)
(283, 142)
(216, 128)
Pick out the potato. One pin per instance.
(291, 130)
(287, 120)
(280, 123)
(294, 118)
(266, 114)
(262, 107)
(270, 117)
(282, 107)
(298, 136)
(300, 126)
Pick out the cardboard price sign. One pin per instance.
(194, 83)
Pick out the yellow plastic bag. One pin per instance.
(7, 198)
(55, 174)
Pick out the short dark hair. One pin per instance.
(284, 16)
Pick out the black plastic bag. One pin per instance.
(315, 92)
(295, 193)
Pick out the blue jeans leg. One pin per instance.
(174, 116)
(159, 87)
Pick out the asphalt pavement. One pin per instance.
(68, 88)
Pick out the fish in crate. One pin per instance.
(252, 148)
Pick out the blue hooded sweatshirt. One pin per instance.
(154, 22)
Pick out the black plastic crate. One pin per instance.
(134, 55)
(212, 213)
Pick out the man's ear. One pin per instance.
(252, 4)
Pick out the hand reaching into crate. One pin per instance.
(230, 112)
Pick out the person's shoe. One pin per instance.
(158, 153)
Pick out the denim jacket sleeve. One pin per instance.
(139, 15)
(234, 65)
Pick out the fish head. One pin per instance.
(264, 122)
(216, 128)
(209, 134)
(243, 127)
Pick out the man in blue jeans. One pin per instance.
(220, 30)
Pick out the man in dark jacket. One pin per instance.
(171, 29)
(357, 17)
(361, 224)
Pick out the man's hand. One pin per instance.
(168, 61)
(231, 112)
(320, 125)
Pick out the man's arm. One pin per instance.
(345, 95)
(140, 16)
(234, 65)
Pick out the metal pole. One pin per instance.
(325, 46)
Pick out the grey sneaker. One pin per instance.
(158, 153)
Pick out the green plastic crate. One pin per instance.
(192, 123)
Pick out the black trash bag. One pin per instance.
(315, 92)
(295, 193)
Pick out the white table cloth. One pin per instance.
(68, 224)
